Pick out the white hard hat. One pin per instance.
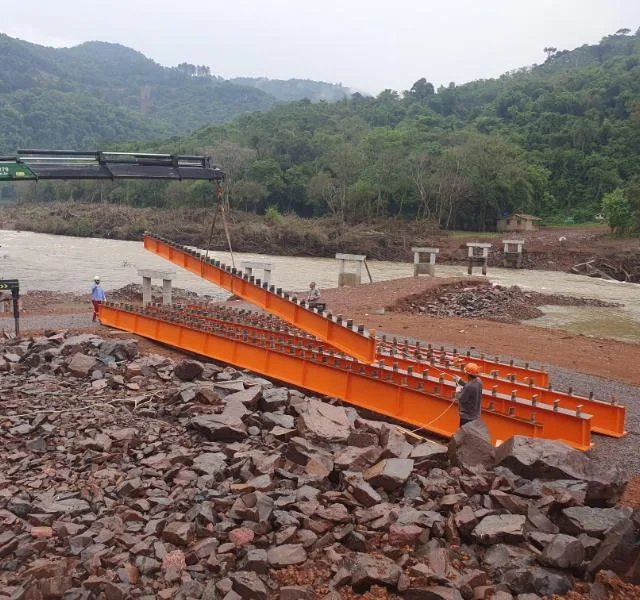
(96, 278)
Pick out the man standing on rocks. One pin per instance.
(469, 395)
(97, 297)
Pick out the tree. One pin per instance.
(549, 51)
(617, 211)
(623, 31)
(422, 90)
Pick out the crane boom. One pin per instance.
(34, 165)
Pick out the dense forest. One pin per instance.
(97, 93)
(291, 90)
(560, 140)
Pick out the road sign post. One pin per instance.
(13, 286)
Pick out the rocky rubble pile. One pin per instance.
(127, 476)
(486, 301)
(132, 292)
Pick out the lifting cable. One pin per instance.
(220, 208)
(446, 410)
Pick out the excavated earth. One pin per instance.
(136, 475)
(485, 301)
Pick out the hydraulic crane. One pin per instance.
(35, 165)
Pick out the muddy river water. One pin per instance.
(60, 263)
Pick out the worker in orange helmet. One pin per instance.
(469, 394)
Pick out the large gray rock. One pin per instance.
(219, 428)
(248, 397)
(547, 459)
(394, 444)
(563, 552)
(432, 592)
(81, 364)
(120, 349)
(248, 585)
(188, 370)
(324, 421)
(541, 459)
(285, 555)
(537, 580)
(471, 446)
(619, 552)
(353, 458)
(500, 528)
(429, 451)
(210, 463)
(371, 570)
(273, 399)
(501, 557)
(592, 521)
(389, 474)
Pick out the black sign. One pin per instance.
(10, 285)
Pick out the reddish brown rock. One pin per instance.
(179, 533)
(404, 535)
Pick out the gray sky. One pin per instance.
(368, 45)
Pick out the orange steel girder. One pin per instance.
(402, 402)
(523, 373)
(606, 418)
(338, 334)
(558, 422)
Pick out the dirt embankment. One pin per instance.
(286, 235)
(550, 249)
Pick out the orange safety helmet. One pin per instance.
(472, 369)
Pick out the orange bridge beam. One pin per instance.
(339, 378)
(341, 334)
(606, 418)
(487, 365)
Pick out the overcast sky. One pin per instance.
(368, 45)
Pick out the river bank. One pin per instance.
(69, 264)
(554, 249)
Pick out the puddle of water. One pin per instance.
(593, 321)
(61, 263)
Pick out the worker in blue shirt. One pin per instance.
(97, 297)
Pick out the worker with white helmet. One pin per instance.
(97, 297)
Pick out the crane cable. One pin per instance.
(220, 208)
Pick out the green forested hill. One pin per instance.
(554, 140)
(98, 93)
(296, 89)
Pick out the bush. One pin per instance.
(272, 214)
(618, 212)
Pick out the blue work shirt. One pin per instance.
(97, 293)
